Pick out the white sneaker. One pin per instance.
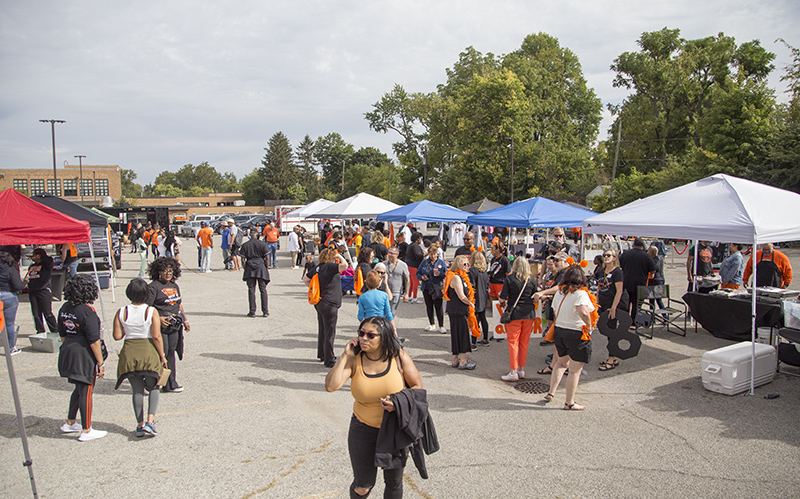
(521, 373)
(71, 428)
(92, 435)
(512, 376)
(443, 330)
(430, 328)
(15, 351)
(295, 267)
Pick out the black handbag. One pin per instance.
(436, 290)
(506, 317)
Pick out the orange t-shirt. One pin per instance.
(205, 237)
(271, 233)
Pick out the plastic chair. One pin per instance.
(666, 316)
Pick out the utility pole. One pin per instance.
(80, 170)
(616, 155)
(53, 134)
(512, 169)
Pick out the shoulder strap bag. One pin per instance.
(506, 317)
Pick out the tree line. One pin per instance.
(695, 108)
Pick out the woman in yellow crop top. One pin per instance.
(376, 367)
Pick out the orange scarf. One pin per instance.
(471, 319)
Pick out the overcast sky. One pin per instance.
(154, 85)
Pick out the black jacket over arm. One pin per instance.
(403, 428)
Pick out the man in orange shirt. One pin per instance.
(206, 243)
(772, 268)
(271, 234)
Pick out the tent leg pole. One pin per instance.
(99, 294)
(12, 379)
(753, 325)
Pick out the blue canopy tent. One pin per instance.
(533, 212)
(424, 211)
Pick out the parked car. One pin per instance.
(189, 229)
(258, 221)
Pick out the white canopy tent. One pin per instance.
(309, 209)
(718, 208)
(361, 205)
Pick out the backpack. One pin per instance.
(359, 282)
(313, 290)
(239, 237)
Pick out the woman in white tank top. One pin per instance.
(141, 361)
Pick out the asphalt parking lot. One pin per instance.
(255, 421)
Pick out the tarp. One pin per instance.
(361, 205)
(716, 208)
(110, 218)
(533, 212)
(481, 206)
(424, 211)
(23, 221)
(309, 209)
(72, 209)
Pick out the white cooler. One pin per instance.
(726, 370)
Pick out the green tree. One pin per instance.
(684, 91)
(309, 170)
(333, 155)
(278, 170)
(129, 188)
(203, 176)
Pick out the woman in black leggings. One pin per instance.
(80, 358)
(431, 273)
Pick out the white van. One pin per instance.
(202, 218)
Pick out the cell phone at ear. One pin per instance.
(357, 348)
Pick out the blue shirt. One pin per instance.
(374, 303)
(225, 243)
(732, 269)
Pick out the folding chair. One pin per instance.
(792, 336)
(666, 316)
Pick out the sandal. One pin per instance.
(546, 370)
(573, 407)
(608, 366)
(548, 397)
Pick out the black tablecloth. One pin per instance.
(730, 318)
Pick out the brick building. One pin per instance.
(92, 183)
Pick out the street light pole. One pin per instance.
(512, 169)
(342, 175)
(53, 134)
(80, 166)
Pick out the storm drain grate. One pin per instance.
(532, 387)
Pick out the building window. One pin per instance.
(54, 186)
(70, 187)
(21, 185)
(101, 186)
(37, 186)
(86, 187)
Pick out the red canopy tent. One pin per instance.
(24, 221)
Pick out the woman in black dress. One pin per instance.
(80, 358)
(165, 295)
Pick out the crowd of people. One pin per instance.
(385, 269)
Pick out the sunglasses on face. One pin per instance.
(608, 256)
(368, 334)
(380, 273)
(558, 235)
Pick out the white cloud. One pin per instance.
(155, 85)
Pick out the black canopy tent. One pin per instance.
(95, 220)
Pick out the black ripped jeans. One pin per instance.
(361, 443)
